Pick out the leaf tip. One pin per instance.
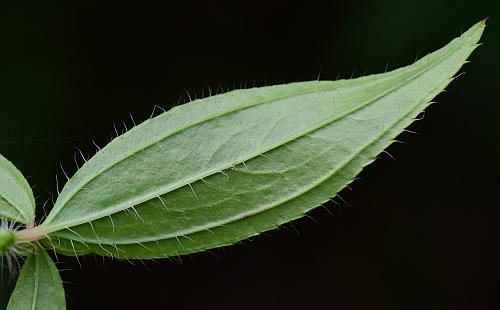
(483, 22)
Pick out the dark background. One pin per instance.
(420, 232)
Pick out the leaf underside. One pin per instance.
(222, 169)
(16, 197)
(39, 286)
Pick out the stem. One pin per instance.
(31, 234)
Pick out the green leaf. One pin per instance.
(16, 197)
(39, 285)
(224, 168)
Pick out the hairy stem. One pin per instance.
(32, 234)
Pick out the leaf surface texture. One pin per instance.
(218, 170)
(16, 197)
(39, 286)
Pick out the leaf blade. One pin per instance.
(39, 285)
(362, 118)
(16, 197)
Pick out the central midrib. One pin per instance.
(37, 280)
